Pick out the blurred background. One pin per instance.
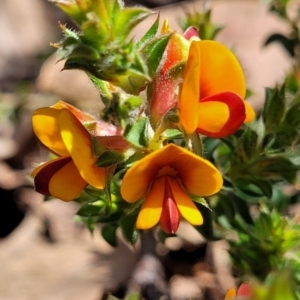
(44, 253)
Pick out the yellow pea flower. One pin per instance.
(165, 178)
(60, 128)
(211, 97)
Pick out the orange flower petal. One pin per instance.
(184, 203)
(45, 126)
(66, 184)
(231, 294)
(80, 115)
(45, 172)
(78, 142)
(151, 209)
(198, 175)
(250, 113)
(220, 70)
(190, 90)
(221, 114)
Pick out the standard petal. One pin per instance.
(43, 173)
(190, 90)
(179, 161)
(199, 176)
(45, 126)
(78, 142)
(66, 184)
(250, 113)
(220, 70)
(221, 114)
(184, 203)
(151, 209)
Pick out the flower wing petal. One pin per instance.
(78, 142)
(66, 184)
(184, 203)
(221, 114)
(220, 70)
(43, 174)
(151, 209)
(250, 113)
(190, 90)
(45, 126)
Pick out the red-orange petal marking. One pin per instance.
(221, 114)
(244, 290)
(170, 216)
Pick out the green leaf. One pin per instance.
(127, 224)
(103, 87)
(274, 107)
(278, 167)
(92, 209)
(292, 116)
(153, 51)
(249, 139)
(149, 34)
(282, 286)
(134, 296)
(109, 158)
(127, 19)
(109, 234)
(136, 133)
(135, 157)
(206, 229)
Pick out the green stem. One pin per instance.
(196, 143)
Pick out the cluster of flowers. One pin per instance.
(208, 99)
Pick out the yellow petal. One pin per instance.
(184, 203)
(45, 126)
(78, 142)
(220, 70)
(250, 113)
(231, 294)
(44, 173)
(66, 183)
(152, 206)
(212, 115)
(190, 90)
(198, 175)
